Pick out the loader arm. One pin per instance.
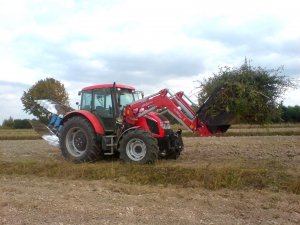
(177, 106)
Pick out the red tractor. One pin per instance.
(114, 119)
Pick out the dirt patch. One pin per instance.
(47, 201)
(38, 200)
(285, 149)
(197, 150)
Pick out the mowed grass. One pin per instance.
(18, 134)
(253, 130)
(269, 175)
(234, 130)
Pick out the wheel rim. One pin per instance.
(136, 149)
(76, 141)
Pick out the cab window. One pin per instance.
(86, 100)
(102, 99)
(125, 97)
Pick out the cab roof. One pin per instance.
(99, 86)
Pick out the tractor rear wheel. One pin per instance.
(78, 141)
(138, 146)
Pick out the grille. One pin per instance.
(153, 126)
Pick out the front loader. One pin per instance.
(114, 119)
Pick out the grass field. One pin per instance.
(234, 130)
(232, 166)
(253, 130)
(217, 180)
(18, 134)
(227, 180)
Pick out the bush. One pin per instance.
(16, 124)
(8, 123)
(291, 114)
(251, 93)
(21, 124)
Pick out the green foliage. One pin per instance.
(251, 93)
(8, 123)
(48, 88)
(16, 124)
(21, 124)
(291, 113)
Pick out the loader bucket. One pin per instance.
(220, 120)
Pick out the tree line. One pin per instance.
(16, 123)
(253, 94)
(288, 114)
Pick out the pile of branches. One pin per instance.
(249, 94)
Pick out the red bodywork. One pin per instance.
(137, 113)
(90, 116)
(141, 122)
(100, 86)
(174, 104)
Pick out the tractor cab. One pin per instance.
(106, 102)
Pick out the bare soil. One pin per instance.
(38, 200)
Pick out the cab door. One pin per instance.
(102, 107)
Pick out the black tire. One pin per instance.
(138, 146)
(78, 141)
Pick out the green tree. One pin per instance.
(21, 124)
(291, 113)
(8, 123)
(48, 88)
(251, 93)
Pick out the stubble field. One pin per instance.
(217, 180)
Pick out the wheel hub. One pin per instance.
(136, 149)
(76, 142)
(80, 141)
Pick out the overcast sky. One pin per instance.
(147, 44)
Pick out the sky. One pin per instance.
(147, 44)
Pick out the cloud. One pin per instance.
(148, 44)
(10, 94)
(11, 85)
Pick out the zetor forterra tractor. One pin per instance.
(114, 119)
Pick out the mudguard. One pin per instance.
(60, 113)
(88, 115)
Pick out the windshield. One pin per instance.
(125, 97)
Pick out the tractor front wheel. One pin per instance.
(138, 146)
(78, 141)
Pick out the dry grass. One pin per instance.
(235, 130)
(18, 134)
(266, 175)
(275, 125)
(254, 130)
(254, 180)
